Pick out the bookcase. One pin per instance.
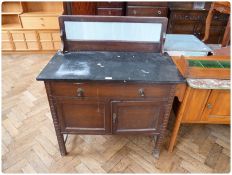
(30, 26)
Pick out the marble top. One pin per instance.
(208, 83)
(111, 66)
(187, 45)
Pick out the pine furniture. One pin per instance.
(30, 26)
(205, 101)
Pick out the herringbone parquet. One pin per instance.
(29, 144)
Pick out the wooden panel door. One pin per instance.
(87, 116)
(217, 108)
(136, 116)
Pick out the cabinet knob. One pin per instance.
(159, 12)
(209, 106)
(80, 92)
(141, 92)
(134, 12)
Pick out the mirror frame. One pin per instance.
(122, 46)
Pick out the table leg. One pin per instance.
(178, 121)
(59, 135)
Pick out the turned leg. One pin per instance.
(156, 150)
(59, 135)
(61, 144)
(160, 137)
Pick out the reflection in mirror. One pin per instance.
(113, 31)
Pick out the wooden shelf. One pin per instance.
(26, 24)
(43, 7)
(11, 13)
(11, 26)
(42, 13)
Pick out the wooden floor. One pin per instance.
(29, 143)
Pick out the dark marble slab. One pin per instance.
(111, 66)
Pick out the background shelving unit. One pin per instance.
(24, 25)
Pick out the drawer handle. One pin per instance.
(159, 12)
(41, 19)
(209, 106)
(141, 92)
(80, 92)
(42, 25)
(134, 12)
(114, 118)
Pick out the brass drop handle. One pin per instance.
(114, 118)
(141, 92)
(209, 106)
(134, 12)
(80, 92)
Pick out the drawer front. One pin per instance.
(110, 4)
(6, 45)
(5, 36)
(40, 22)
(109, 11)
(188, 16)
(30, 36)
(147, 11)
(109, 90)
(159, 4)
(33, 45)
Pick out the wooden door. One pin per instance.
(87, 116)
(217, 108)
(136, 116)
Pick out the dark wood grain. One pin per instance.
(83, 8)
(110, 108)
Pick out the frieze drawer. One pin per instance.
(147, 11)
(110, 11)
(109, 90)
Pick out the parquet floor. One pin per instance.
(29, 144)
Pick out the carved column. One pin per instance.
(160, 137)
(59, 135)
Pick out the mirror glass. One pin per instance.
(113, 31)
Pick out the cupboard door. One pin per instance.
(137, 116)
(82, 116)
(217, 108)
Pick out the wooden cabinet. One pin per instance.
(202, 106)
(23, 22)
(110, 108)
(207, 106)
(194, 23)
